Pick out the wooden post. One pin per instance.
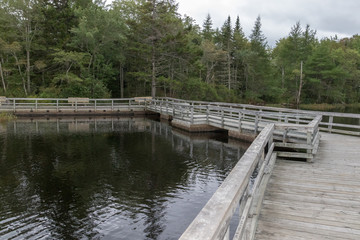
(192, 114)
(256, 122)
(227, 234)
(309, 141)
(260, 111)
(207, 114)
(166, 106)
(331, 119)
(222, 118)
(285, 135)
(240, 116)
(161, 104)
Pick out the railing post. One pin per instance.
(256, 122)
(36, 105)
(161, 105)
(227, 234)
(57, 105)
(95, 105)
(75, 105)
(331, 119)
(285, 135)
(14, 105)
(207, 114)
(166, 106)
(192, 114)
(240, 117)
(309, 142)
(222, 118)
(112, 104)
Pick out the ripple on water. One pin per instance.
(105, 185)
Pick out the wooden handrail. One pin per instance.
(213, 220)
(351, 129)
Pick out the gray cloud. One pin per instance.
(328, 17)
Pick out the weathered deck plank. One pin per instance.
(320, 200)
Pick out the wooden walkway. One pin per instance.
(320, 200)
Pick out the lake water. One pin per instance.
(113, 178)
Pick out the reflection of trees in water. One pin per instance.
(73, 178)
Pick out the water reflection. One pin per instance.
(112, 178)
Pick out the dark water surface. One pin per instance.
(106, 178)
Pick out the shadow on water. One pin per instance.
(106, 178)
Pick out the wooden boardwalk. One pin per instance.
(320, 200)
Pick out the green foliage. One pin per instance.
(136, 47)
(6, 117)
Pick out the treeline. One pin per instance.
(62, 48)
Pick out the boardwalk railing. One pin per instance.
(343, 123)
(70, 104)
(243, 189)
(295, 133)
(299, 133)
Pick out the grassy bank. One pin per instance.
(7, 117)
(329, 107)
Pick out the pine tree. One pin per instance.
(259, 86)
(239, 50)
(208, 31)
(226, 44)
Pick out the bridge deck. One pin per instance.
(320, 200)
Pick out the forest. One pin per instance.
(85, 48)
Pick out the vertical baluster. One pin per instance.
(331, 119)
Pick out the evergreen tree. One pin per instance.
(240, 52)
(226, 43)
(260, 85)
(208, 32)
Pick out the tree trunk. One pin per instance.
(246, 75)
(121, 76)
(21, 74)
(236, 75)
(282, 77)
(153, 75)
(2, 77)
(28, 70)
(229, 71)
(300, 85)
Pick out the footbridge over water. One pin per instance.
(318, 198)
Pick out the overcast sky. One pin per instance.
(328, 17)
